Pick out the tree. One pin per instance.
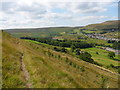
(77, 52)
(111, 65)
(55, 48)
(73, 48)
(116, 45)
(111, 55)
(119, 70)
(97, 53)
(63, 50)
(86, 57)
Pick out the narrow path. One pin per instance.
(26, 73)
(107, 70)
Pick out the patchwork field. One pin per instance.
(102, 56)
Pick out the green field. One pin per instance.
(90, 31)
(88, 40)
(33, 41)
(102, 57)
(40, 32)
(100, 41)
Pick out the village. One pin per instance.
(100, 36)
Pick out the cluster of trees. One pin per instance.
(60, 49)
(111, 41)
(84, 55)
(80, 54)
(61, 43)
(103, 32)
(88, 58)
(115, 67)
(116, 45)
(111, 55)
(104, 45)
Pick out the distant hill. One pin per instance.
(40, 32)
(108, 25)
(59, 31)
(28, 65)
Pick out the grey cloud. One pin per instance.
(16, 13)
(87, 7)
(34, 8)
(13, 7)
(33, 11)
(82, 7)
(3, 20)
(8, 7)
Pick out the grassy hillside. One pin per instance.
(108, 25)
(49, 69)
(102, 56)
(40, 32)
(108, 28)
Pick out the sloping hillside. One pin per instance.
(40, 32)
(26, 64)
(108, 25)
(109, 28)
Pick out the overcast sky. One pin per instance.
(41, 13)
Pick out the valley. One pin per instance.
(61, 57)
